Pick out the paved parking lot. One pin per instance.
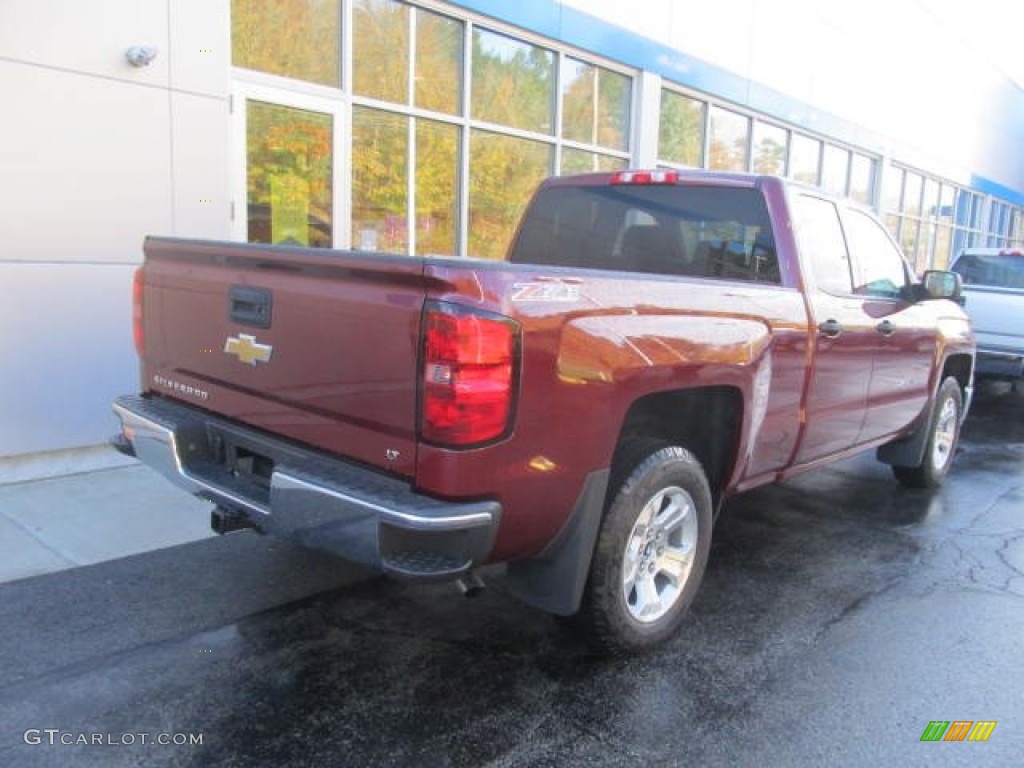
(839, 616)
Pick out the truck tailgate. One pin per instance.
(996, 314)
(321, 348)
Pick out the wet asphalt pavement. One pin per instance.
(839, 615)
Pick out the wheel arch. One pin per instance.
(707, 421)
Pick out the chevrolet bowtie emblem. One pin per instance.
(247, 349)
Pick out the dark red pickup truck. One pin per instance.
(654, 342)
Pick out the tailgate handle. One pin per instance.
(249, 306)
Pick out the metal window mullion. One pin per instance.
(462, 245)
(240, 162)
(705, 160)
(750, 143)
(559, 115)
(341, 183)
(343, 138)
(410, 174)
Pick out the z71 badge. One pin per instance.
(555, 291)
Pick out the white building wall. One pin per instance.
(908, 70)
(96, 154)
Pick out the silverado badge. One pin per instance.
(247, 349)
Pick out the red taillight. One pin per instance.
(646, 177)
(469, 375)
(137, 337)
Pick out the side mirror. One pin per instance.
(939, 284)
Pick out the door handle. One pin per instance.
(885, 328)
(830, 328)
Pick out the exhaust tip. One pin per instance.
(470, 585)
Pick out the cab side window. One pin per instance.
(879, 268)
(821, 239)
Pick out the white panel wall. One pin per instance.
(96, 154)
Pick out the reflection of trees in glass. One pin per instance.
(294, 38)
(579, 161)
(380, 143)
(912, 184)
(804, 159)
(288, 149)
(769, 148)
(681, 130)
(380, 40)
(728, 147)
(943, 240)
(835, 169)
(437, 187)
(579, 97)
(862, 170)
(438, 62)
(769, 156)
(505, 171)
(382, 54)
(595, 105)
(513, 82)
(614, 94)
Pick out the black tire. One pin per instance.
(662, 483)
(943, 435)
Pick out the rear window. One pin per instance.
(997, 270)
(696, 231)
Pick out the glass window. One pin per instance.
(943, 247)
(595, 105)
(892, 189)
(289, 167)
(293, 38)
(614, 103)
(821, 240)
(580, 161)
(380, 207)
(513, 82)
(730, 133)
(713, 232)
(947, 197)
(380, 43)
(835, 169)
(909, 229)
(998, 270)
(862, 179)
(912, 183)
(880, 268)
(930, 202)
(506, 169)
(769, 148)
(579, 101)
(681, 132)
(438, 74)
(804, 158)
(437, 188)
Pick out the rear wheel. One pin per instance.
(943, 434)
(651, 551)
